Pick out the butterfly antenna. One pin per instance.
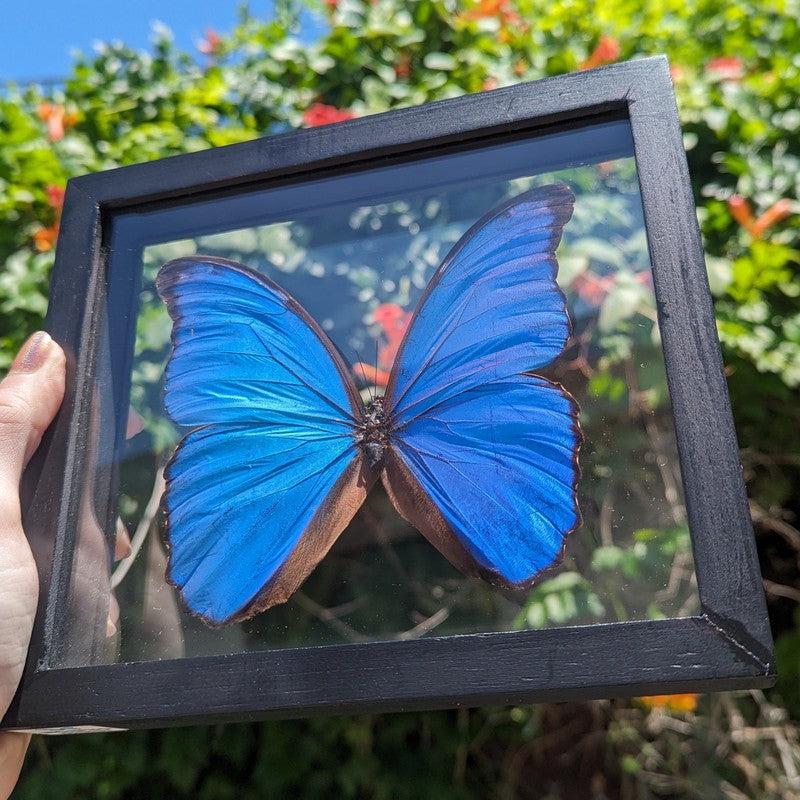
(364, 374)
(376, 359)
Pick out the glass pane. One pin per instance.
(357, 251)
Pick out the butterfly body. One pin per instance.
(373, 432)
(473, 448)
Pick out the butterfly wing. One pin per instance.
(269, 476)
(484, 456)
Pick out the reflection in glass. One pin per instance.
(357, 252)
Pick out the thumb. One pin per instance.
(29, 398)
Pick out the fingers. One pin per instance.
(122, 542)
(12, 754)
(29, 398)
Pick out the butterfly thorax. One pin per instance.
(372, 432)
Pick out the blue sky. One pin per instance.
(36, 36)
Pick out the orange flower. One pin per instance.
(743, 214)
(44, 239)
(321, 114)
(604, 168)
(393, 319)
(57, 120)
(774, 214)
(725, 68)
(682, 703)
(485, 8)
(606, 52)
(402, 67)
(520, 67)
(677, 72)
(210, 45)
(740, 211)
(371, 375)
(495, 8)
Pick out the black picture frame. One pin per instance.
(726, 646)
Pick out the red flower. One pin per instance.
(321, 114)
(725, 68)
(210, 46)
(56, 119)
(394, 321)
(592, 288)
(55, 196)
(606, 52)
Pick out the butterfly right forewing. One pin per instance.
(483, 454)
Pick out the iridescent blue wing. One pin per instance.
(484, 456)
(489, 477)
(270, 475)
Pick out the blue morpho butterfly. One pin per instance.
(475, 451)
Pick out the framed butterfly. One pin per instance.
(475, 450)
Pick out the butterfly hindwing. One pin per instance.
(270, 475)
(489, 477)
(484, 456)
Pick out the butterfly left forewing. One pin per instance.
(269, 475)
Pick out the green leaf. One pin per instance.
(439, 61)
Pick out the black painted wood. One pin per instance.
(578, 663)
(726, 562)
(727, 646)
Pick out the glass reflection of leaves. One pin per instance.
(344, 264)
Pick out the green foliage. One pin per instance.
(742, 133)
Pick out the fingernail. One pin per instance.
(135, 423)
(33, 353)
(122, 545)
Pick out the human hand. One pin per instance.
(30, 396)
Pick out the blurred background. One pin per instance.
(202, 77)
